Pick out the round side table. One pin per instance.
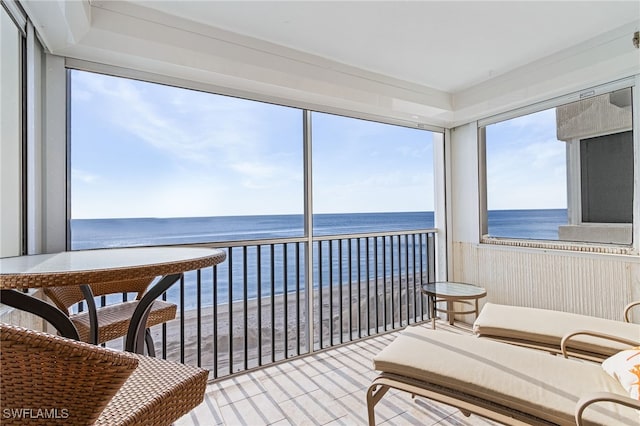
(451, 292)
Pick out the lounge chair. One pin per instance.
(505, 383)
(49, 379)
(545, 329)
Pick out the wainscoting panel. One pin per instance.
(586, 283)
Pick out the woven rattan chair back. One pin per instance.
(67, 296)
(114, 319)
(56, 380)
(47, 379)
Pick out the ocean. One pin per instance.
(110, 233)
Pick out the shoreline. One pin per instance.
(261, 337)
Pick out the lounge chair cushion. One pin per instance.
(529, 381)
(625, 368)
(547, 327)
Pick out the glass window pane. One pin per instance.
(154, 164)
(379, 174)
(565, 173)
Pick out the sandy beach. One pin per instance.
(263, 331)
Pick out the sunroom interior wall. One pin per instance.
(599, 285)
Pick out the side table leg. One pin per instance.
(450, 312)
(433, 311)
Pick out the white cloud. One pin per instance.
(83, 176)
(207, 155)
(539, 121)
(380, 192)
(197, 130)
(192, 197)
(527, 176)
(526, 164)
(257, 174)
(254, 169)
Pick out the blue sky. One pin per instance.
(526, 164)
(146, 150)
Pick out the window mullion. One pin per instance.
(308, 224)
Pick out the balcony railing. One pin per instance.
(256, 308)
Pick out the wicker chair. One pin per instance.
(113, 320)
(49, 379)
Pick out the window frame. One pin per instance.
(573, 206)
(113, 71)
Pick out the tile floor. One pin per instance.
(327, 388)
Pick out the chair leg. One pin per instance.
(374, 394)
(465, 412)
(151, 350)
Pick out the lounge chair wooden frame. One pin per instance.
(487, 400)
(564, 343)
(596, 397)
(627, 310)
(468, 404)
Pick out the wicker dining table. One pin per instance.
(84, 267)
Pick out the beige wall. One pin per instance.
(585, 283)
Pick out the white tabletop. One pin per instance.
(104, 265)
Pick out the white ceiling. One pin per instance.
(435, 63)
(448, 46)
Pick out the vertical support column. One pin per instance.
(308, 225)
(55, 197)
(33, 148)
(635, 270)
(442, 215)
